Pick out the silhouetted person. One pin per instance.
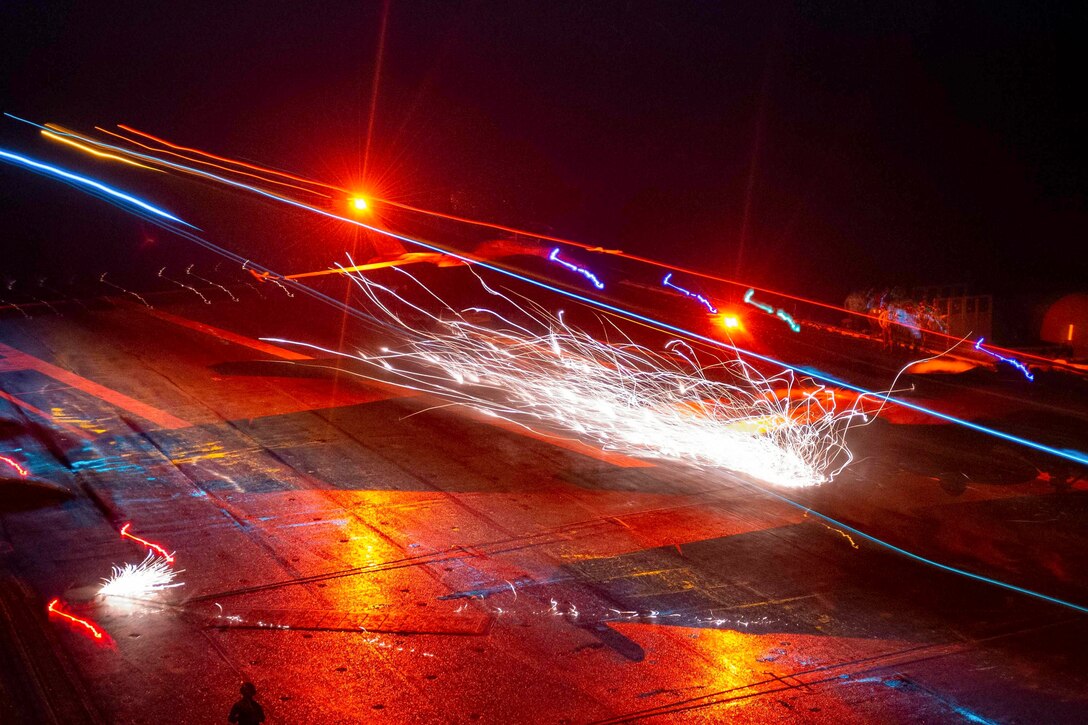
(247, 711)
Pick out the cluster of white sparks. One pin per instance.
(141, 581)
(517, 361)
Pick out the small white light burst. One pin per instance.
(140, 581)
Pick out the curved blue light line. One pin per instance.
(49, 170)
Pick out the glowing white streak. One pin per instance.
(540, 372)
(139, 581)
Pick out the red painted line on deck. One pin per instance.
(45, 416)
(28, 362)
(229, 336)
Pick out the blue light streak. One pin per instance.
(700, 298)
(1015, 363)
(554, 256)
(76, 179)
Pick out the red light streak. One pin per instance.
(154, 547)
(207, 163)
(54, 609)
(15, 465)
(561, 240)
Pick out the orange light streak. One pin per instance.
(208, 163)
(100, 154)
(154, 547)
(54, 609)
(224, 159)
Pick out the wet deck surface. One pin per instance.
(361, 555)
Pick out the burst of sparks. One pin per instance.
(155, 548)
(139, 581)
(518, 362)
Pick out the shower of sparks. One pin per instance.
(516, 361)
(15, 465)
(698, 297)
(139, 581)
(554, 256)
(1011, 361)
(155, 548)
(55, 608)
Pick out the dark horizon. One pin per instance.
(821, 150)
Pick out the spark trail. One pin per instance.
(515, 360)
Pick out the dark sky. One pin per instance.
(821, 149)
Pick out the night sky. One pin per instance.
(811, 149)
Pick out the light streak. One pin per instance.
(205, 163)
(554, 256)
(94, 152)
(15, 465)
(702, 300)
(55, 608)
(1015, 363)
(162, 275)
(168, 556)
(748, 300)
(531, 368)
(83, 181)
(189, 271)
(780, 313)
(1068, 454)
(102, 279)
(1076, 456)
(500, 227)
(839, 531)
(785, 317)
(139, 581)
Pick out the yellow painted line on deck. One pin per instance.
(19, 360)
